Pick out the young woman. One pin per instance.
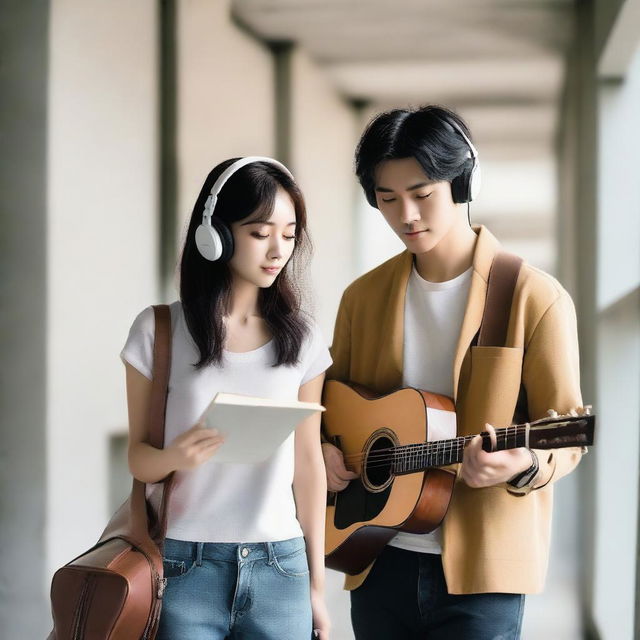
(244, 548)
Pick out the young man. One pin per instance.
(413, 321)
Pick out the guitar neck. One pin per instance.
(412, 458)
(547, 433)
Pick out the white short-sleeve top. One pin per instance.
(225, 502)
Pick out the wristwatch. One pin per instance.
(524, 478)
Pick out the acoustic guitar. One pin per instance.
(401, 485)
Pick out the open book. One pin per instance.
(253, 427)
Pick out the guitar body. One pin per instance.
(374, 507)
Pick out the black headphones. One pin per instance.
(466, 186)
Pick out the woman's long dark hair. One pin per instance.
(205, 287)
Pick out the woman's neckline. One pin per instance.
(247, 355)
(244, 353)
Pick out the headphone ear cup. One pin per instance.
(461, 187)
(215, 241)
(475, 181)
(208, 242)
(226, 239)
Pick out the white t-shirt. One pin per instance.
(225, 502)
(433, 314)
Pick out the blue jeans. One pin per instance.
(256, 591)
(405, 598)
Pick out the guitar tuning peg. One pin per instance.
(552, 413)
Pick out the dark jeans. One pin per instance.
(405, 598)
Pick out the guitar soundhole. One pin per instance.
(377, 469)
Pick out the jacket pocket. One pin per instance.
(494, 384)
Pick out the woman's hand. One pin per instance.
(321, 622)
(338, 476)
(486, 469)
(193, 447)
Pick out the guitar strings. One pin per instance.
(425, 453)
(501, 435)
(433, 457)
(405, 460)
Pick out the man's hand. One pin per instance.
(338, 476)
(486, 469)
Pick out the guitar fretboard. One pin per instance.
(412, 458)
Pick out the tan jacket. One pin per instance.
(493, 540)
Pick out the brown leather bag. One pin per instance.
(114, 590)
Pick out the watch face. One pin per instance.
(529, 476)
(523, 482)
(524, 478)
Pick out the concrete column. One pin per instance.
(23, 192)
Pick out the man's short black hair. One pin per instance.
(423, 133)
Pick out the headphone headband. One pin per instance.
(474, 153)
(210, 204)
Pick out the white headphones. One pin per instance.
(213, 236)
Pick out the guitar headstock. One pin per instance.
(556, 431)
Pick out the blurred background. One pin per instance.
(111, 115)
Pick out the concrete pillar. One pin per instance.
(23, 193)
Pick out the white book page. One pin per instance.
(254, 428)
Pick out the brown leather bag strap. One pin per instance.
(159, 393)
(503, 276)
(131, 522)
(161, 370)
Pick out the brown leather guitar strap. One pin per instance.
(503, 275)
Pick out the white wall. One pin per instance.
(323, 136)
(619, 195)
(618, 298)
(617, 451)
(102, 225)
